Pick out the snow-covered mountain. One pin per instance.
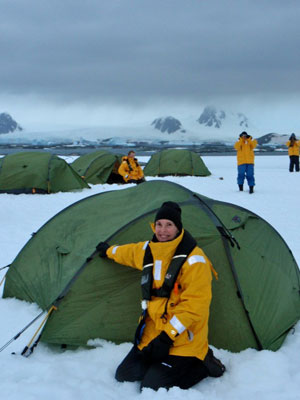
(217, 118)
(212, 122)
(210, 125)
(273, 139)
(8, 124)
(167, 124)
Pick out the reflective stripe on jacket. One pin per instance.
(245, 150)
(133, 172)
(293, 150)
(187, 309)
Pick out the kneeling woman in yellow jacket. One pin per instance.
(171, 343)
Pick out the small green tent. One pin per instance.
(256, 300)
(37, 172)
(99, 167)
(176, 162)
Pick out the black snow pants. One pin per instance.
(294, 162)
(183, 372)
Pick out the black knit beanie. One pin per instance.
(172, 211)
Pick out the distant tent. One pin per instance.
(99, 167)
(256, 300)
(37, 172)
(176, 162)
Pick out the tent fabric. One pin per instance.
(37, 172)
(98, 167)
(176, 162)
(256, 300)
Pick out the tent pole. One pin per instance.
(26, 348)
(20, 333)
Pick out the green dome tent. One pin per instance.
(37, 172)
(176, 162)
(256, 300)
(99, 167)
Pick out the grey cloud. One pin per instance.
(138, 50)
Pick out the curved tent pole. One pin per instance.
(227, 236)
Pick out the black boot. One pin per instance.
(241, 188)
(251, 189)
(214, 366)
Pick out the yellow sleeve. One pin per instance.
(131, 255)
(237, 145)
(253, 143)
(124, 170)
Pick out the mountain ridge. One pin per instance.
(8, 124)
(212, 125)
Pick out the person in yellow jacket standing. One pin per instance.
(130, 169)
(171, 342)
(245, 158)
(293, 144)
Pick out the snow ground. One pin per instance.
(89, 374)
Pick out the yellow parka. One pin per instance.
(293, 150)
(130, 169)
(245, 150)
(187, 309)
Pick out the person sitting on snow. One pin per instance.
(130, 169)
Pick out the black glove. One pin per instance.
(102, 247)
(214, 366)
(158, 348)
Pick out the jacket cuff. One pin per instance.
(174, 327)
(111, 251)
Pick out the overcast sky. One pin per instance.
(103, 61)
